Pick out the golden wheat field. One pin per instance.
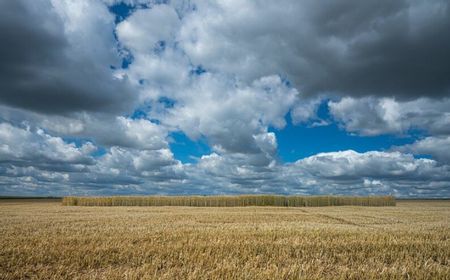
(45, 240)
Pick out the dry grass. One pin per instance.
(43, 240)
(230, 201)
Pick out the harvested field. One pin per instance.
(44, 240)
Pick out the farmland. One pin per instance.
(45, 240)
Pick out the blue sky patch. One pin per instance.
(186, 150)
(300, 141)
(198, 70)
(121, 11)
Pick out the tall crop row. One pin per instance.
(231, 201)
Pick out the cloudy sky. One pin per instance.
(105, 97)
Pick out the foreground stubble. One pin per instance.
(44, 240)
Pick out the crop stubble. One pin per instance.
(44, 240)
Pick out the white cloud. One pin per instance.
(145, 28)
(438, 147)
(230, 115)
(374, 116)
(350, 164)
(21, 144)
(125, 132)
(138, 161)
(350, 172)
(305, 110)
(49, 165)
(239, 41)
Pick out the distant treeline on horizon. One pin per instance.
(230, 201)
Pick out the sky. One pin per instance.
(134, 97)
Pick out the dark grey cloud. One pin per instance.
(350, 47)
(43, 68)
(392, 48)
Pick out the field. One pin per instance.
(44, 240)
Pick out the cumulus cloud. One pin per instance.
(125, 132)
(136, 161)
(347, 47)
(233, 117)
(438, 147)
(351, 165)
(50, 165)
(305, 110)
(56, 57)
(144, 29)
(344, 172)
(23, 145)
(372, 172)
(103, 130)
(88, 101)
(39, 160)
(32, 160)
(374, 116)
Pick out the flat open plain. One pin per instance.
(44, 240)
